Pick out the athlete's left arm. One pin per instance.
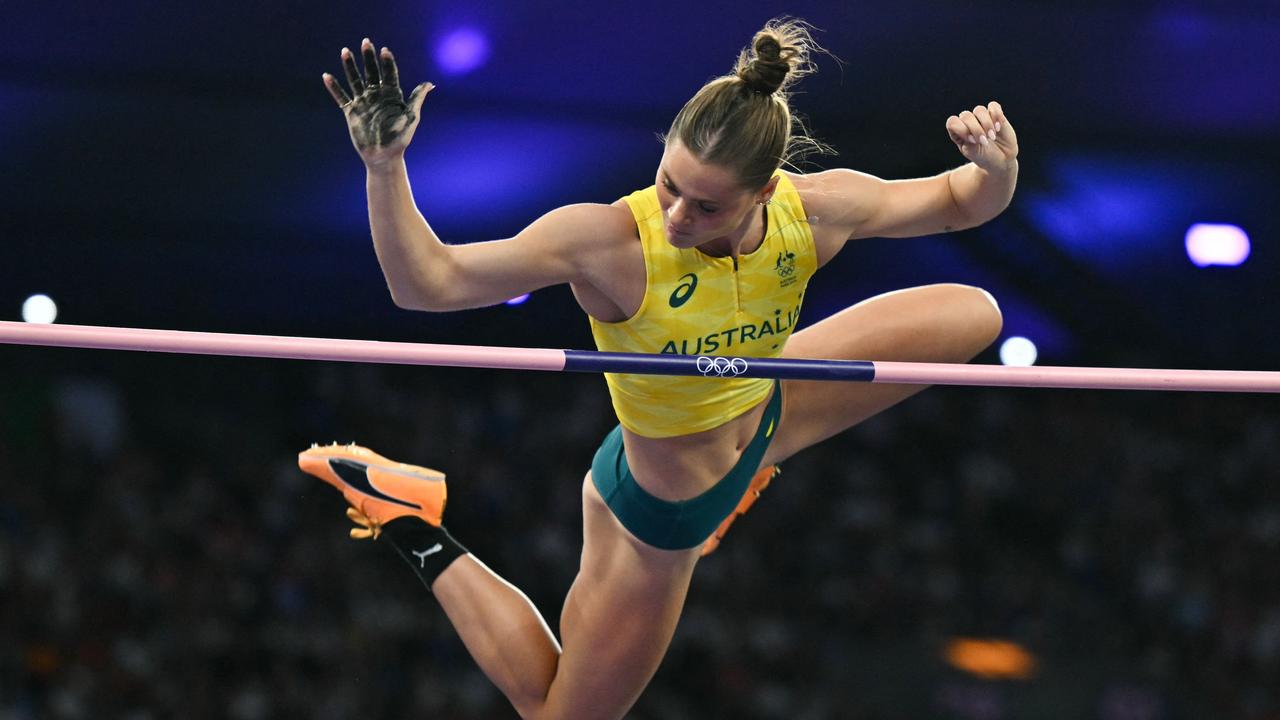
(848, 204)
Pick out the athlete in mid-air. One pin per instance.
(712, 259)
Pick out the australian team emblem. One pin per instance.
(786, 268)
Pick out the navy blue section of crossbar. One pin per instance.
(717, 366)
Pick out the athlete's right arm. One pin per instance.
(422, 272)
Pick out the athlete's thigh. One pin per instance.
(934, 323)
(618, 619)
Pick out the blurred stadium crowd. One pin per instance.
(161, 555)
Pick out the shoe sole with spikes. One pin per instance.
(381, 489)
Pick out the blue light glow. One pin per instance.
(461, 51)
(1024, 318)
(518, 299)
(1217, 244)
(1119, 213)
(1108, 208)
(483, 176)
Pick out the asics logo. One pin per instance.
(684, 290)
(721, 366)
(422, 556)
(354, 474)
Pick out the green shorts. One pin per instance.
(680, 524)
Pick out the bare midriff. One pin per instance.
(685, 466)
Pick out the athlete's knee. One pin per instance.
(975, 319)
(991, 319)
(981, 312)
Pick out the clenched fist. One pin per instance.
(985, 137)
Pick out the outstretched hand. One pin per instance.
(985, 137)
(381, 121)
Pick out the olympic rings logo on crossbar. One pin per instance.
(721, 366)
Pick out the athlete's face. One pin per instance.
(701, 203)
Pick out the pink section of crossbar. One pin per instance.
(1078, 377)
(269, 346)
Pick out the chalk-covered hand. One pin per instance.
(379, 117)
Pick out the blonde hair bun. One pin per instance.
(778, 56)
(743, 121)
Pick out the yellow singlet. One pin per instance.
(695, 304)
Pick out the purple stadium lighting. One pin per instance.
(518, 299)
(1217, 244)
(462, 51)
